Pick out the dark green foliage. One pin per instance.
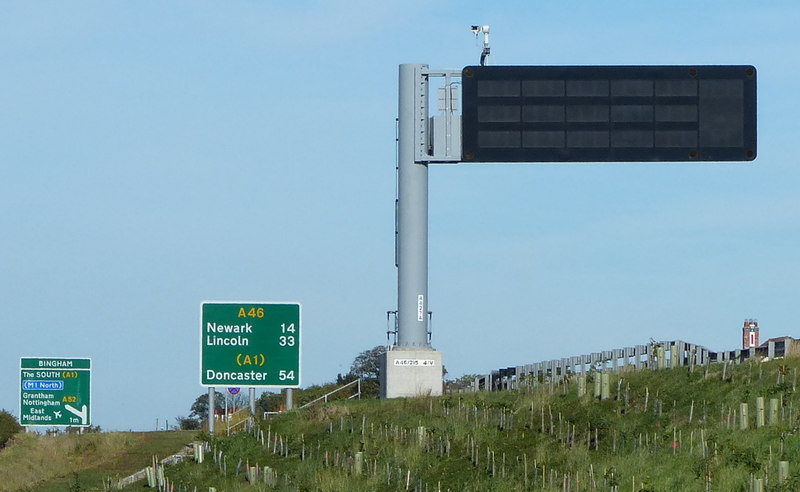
(778, 389)
(8, 427)
(199, 408)
(462, 383)
(745, 458)
(366, 366)
(188, 423)
(75, 484)
(269, 402)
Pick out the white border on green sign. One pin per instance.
(88, 407)
(299, 344)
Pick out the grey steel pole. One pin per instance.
(289, 399)
(252, 401)
(211, 411)
(412, 211)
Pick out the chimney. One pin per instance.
(750, 334)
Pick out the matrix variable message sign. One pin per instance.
(608, 113)
(55, 391)
(250, 344)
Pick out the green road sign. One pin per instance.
(55, 391)
(250, 344)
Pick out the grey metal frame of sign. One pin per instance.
(608, 113)
(414, 156)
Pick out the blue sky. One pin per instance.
(154, 155)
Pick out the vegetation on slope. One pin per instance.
(659, 430)
(35, 462)
(8, 427)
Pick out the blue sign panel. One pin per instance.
(43, 385)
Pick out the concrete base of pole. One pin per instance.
(411, 372)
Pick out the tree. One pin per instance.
(464, 382)
(199, 409)
(188, 423)
(269, 402)
(367, 366)
(8, 427)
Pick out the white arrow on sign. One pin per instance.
(82, 413)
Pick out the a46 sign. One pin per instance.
(250, 344)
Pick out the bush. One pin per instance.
(188, 423)
(8, 427)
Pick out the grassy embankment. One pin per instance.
(33, 462)
(659, 430)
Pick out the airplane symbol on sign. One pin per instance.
(58, 414)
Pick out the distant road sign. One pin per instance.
(233, 391)
(55, 391)
(250, 344)
(608, 113)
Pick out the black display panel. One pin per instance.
(608, 113)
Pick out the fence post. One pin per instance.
(759, 412)
(359, 463)
(772, 416)
(743, 420)
(783, 471)
(673, 355)
(605, 386)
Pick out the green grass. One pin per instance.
(39, 463)
(536, 438)
(540, 438)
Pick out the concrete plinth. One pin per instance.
(411, 372)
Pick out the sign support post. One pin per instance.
(412, 248)
(412, 212)
(211, 409)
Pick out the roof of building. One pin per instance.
(776, 339)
